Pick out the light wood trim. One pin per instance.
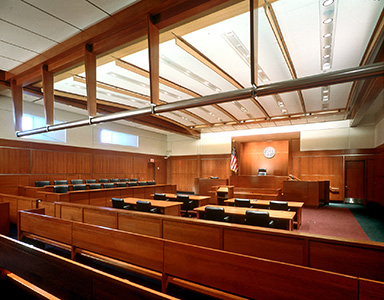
(153, 52)
(17, 102)
(254, 15)
(269, 12)
(90, 77)
(48, 95)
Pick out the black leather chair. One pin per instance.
(61, 188)
(142, 183)
(258, 218)
(121, 184)
(109, 185)
(90, 181)
(262, 172)
(186, 206)
(42, 183)
(214, 177)
(124, 179)
(79, 187)
(119, 203)
(132, 183)
(114, 180)
(133, 179)
(145, 206)
(239, 202)
(77, 181)
(103, 180)
(95, 186)
(215, 214)
(278, 205)
(152, 182)
(58, 182)
(160, 196)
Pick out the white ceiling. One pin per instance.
(30, 27)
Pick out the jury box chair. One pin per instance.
(95, 186)
(77, 181)
(58, 182)
(109, 185)
(79, 187)
(42, 183)
(90, 181)
(61, 188)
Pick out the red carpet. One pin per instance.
(332, 221)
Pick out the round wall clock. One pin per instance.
(269, 152)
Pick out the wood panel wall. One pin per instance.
(23, 163)
(184, 169)
(252, 158)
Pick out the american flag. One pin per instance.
(234, 167)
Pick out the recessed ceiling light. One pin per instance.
(326, 66)
(328, 2)
(328, 20)
(327, 35)
(326, 56)
(327, 46)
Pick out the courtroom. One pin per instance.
(205, 149)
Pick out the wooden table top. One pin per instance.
(157, 203)
(266, 202)
(191, 197)
(278, 214)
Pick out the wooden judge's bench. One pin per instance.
(311, 193)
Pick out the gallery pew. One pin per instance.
(361, 259)
(230, 272)
(17, 203)
(64, 278)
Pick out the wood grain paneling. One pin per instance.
(14, 161)
(252, 158)
(216, 166)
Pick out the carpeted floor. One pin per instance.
(350, 221)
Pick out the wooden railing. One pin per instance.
(64, 278)
(361, 259)
(17, 203)
(234, 273)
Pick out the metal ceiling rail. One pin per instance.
(335, 77)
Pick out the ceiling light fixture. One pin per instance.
(328, 14)
(189, 73)
(328, 2)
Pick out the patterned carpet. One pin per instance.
(332, 221)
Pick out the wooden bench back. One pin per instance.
(238, 274)
(17, 203)
(67, 279)
(363, 259)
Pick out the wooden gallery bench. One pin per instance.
(237, 274)
(355, 258)
(17, 203)
(48, 276)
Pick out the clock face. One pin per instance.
(269, 152)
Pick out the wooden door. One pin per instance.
(151, 171)
(354, 179)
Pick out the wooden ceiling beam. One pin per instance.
(154, 60)
(17, 102)
(271, 16)
(126, 26)
(90, 79)
(48, 95)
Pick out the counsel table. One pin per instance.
(240, 211)
(294, 206)
(202, 200)
(171, 208)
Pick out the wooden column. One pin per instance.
(90, 79)
(17, 101)
(254, 40)
(153, 49)
(48, 94)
